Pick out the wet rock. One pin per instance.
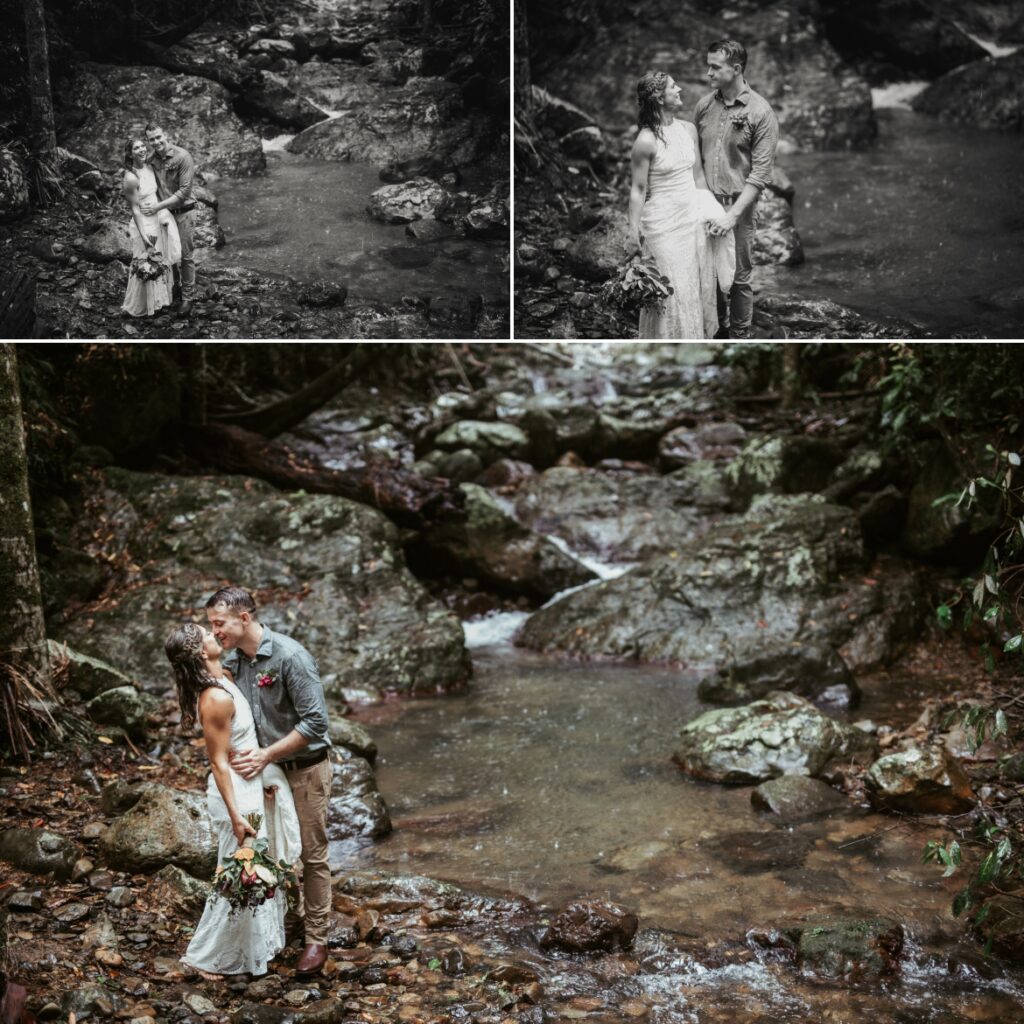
(106, 242)
(89, 1002)
(120, 896)
(850, 949)
(781, 465)
(948, 529)
(39, 851)
(718, 442)
(165, 826)
(26, 901)
(789, 316)
(780, 735)
(489, 441)
(112, 103)
(172, 887)
(352, 736)
(409, 201)
(425, 119)
(119, 796)
(198, 1003)
(101, 934)
(589, 925)
(510, 473)
(776, 240)
(368, 620)
(575, 131)
(457, 315)
(356, 807)
(597, 254)
(323, 1011)
(743, 585)
(72, 912)
(14, 199)
(813, 671)
(268, 95)
(322, 295)
(487, 217)
(883, 618)
(794, 797)
(492, 545)
(123, 706)
(754, 853)
(429, 230)
(921, 780)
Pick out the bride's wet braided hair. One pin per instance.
(184, 650)
(650, 91)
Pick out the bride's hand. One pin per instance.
(242, 828)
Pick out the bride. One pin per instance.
(157, 233)
(669, 206)
(226, 941)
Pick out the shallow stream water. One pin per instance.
(554, 779)
(306, 219)
(927, 225)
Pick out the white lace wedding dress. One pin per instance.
(242, 942)
(673, 225)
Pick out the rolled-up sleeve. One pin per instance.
(307, 694)
(186, 169)
(762, 150)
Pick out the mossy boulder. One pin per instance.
(781, 465)
(124, 707)
(850, 949)
(488, 441)
(89, 676)
(921, 780)
(38, 850)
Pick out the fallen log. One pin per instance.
(404, 497)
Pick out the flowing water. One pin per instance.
(926, 225)
(554, 779)
(307, 219)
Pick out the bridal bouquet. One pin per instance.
(637, 285)
(149, 267)
(251, 876)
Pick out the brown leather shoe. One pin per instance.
(312, 959)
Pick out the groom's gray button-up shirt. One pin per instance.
(295, 698)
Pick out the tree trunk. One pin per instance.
(276, 418)
(404, 497)
(790, 373)
(44, 132)
(23, 653)
(524, 96)
(426, 15)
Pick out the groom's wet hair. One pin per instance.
(735, 52)
(153, 128)
(235, 599)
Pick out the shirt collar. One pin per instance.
(265, 649)
(742, 97)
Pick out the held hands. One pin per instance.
(242, 828)
(249, 763)
(722, 225)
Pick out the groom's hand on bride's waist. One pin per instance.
(249, 763)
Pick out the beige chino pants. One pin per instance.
(311, 789)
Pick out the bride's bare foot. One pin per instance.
(211, 977)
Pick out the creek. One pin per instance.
(554, 779)
(307, 219)
(925, 225)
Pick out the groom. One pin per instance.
(279, 678)
(738, 135)
(175, 169)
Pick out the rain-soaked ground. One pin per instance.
(554, 779)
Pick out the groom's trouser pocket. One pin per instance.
(311, 790)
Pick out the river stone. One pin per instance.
(780, 735)
(742, 586)
(776, 240)
(754, 853)
(487, 216)
(107, 241)
(114, 103)
(493, 546)
(352, 736)
(718, 442)
(166, 826)
(87, 1002)
(850, 949)
(621, 516)
(781, 465)
(490, 441)
(356, 808)
(120, 796)
(124, 706)
(921, 780)
(101, 934)
(425, 118)
(588, 925)
(89, 676)
(323, 1011)
(987, 93)
(334, 568)
(14, 200)
(814, 671)
(39, 851)
(792, 797)
(409, 201)
(172, 887)
(461, 466)
(597, 254)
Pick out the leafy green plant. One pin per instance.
(637, 285)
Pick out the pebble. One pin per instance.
(120, 896)
(49, 1011)
(101, 880)
(198, 1003)
(109, 958)
(83, 866)
(296, 997)
(265, 988)
(25, 901)
(552, 273)
(86, 778)
(71, 913)
(94, 830)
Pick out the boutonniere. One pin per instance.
(267, 679)
(740, 120)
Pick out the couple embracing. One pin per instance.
(158, 186)
(694, 193)
(264, 719)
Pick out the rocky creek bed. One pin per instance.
(696, 790)
(366, 77)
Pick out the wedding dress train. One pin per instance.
(243, 941)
